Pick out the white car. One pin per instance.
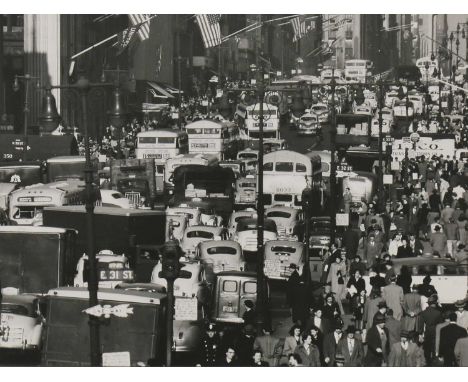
(196, 234)
(279, 255)
(321, 111)
(246, 233)
(236, 216)
(21, 322)
(246, 191)
(112, 270)
(309, 124)
(221, 255)
(193, 214)
(363, 110)
(287, 220)
(375, 127)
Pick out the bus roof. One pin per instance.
(119, 295)
(209, 122)
(31, 229)
(282, 155)
(38, 190)
(68, 158)
(161, 133)
(115, 211)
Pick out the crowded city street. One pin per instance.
(272, 194)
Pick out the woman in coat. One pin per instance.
(290, 343)
(308, 352)
(336, 277)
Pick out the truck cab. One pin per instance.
(112, 270)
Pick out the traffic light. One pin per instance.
(171, 267)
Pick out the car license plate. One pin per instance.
(200, 145)
(116, 275)
(229, 309)
(152, 156)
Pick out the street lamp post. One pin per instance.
(451, 53)
(26, 79)
(83, 86)
(381, 187)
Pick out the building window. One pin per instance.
(348, 53)
(349, 34)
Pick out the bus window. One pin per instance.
(230, 286)
(300, 167)
(166, 140)
(283, 198)
(147, 140)
(250, 287)
(268, 166)
(284, 166)
(195, 131)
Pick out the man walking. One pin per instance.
(449, 336)
(393, 296)
(430, 317)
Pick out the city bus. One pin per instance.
(358, 70)
(215, 138)
(160, 145)
(250, 122)
(184, 159)
(27, 204)
(296, 171)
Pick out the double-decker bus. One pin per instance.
(27, 204)
(358, 70)
(161, 145)
(180, 160)
(296, 171)
(214, 138)
(249, 120)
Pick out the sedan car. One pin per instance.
(196, 234)
(321, 111)
(288, 220)
(280, 255)
(309, 125)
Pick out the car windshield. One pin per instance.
(15, 309)
(247, 185)
(279, 214)
(308, 119)
(221, 251)
(283, 249)
(247, 156)
(200, 234)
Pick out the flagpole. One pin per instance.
(443, 47)
(236, 33)
(105, 40)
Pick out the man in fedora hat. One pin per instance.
(351, 348)
(403, 353)
(430, 317)
(378, 344)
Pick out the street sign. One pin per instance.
(344, 167)
(388, 139)
(116, 359)
(342, 220)
(186, 309)
(388, 179)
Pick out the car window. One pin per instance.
(250, 287)
(278, 214)
(268, 166)
(281, 248)
(221, 250)
(300, 167)
(230, 286)
(14, 309)
(248, 185)
(200, 234)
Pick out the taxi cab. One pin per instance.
(246, 233)
(196, 234)
(321, 111)
(279, 255)
(236, 216)
(112, 270)
(309, 125)
(447, 276)
(246, 194)
(193, 214)
(288, 221)
(231, 290)
(21, 322)
(219, 256)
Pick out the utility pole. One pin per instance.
(381, 186)
(179, 72)
(332, 205)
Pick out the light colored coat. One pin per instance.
(461, 352)
(393, 296)
(412, 355)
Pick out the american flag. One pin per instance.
(143, 21)
(125, 38)
(301, 26)
(210, 29)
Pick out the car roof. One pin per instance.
(206, 228)
(292, 210)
